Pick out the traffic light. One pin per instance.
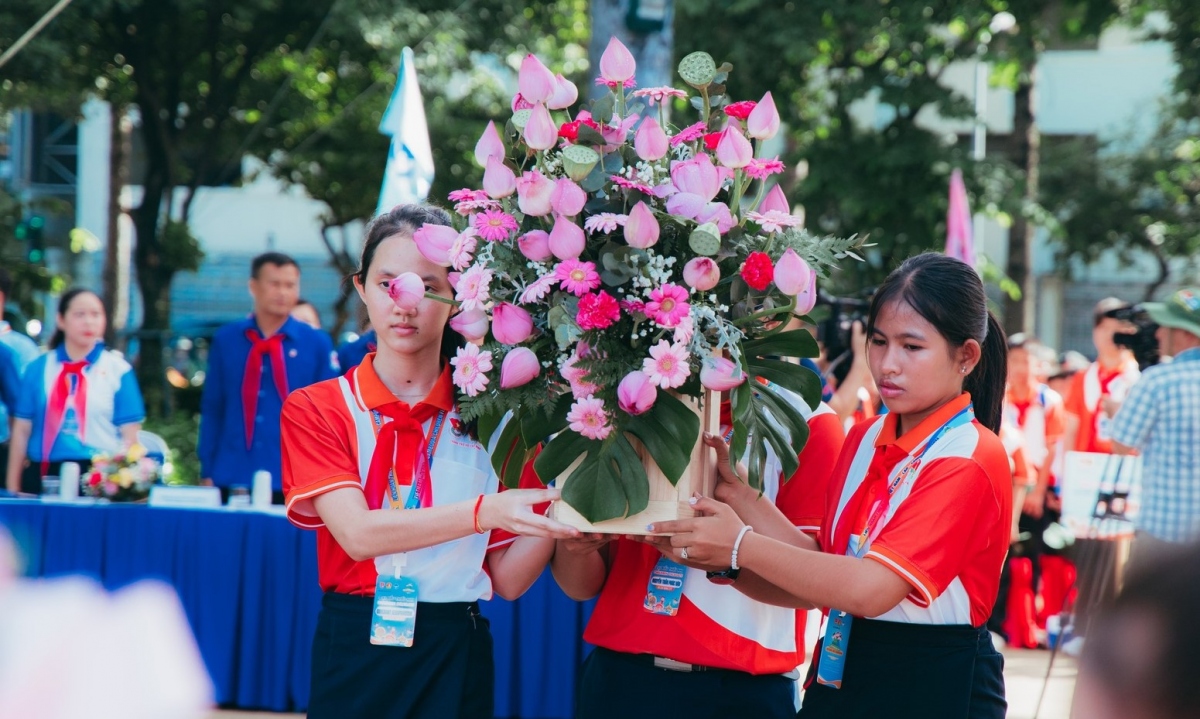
(32, 230)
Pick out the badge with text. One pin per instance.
(665, 588)
(833, 649)
(394, 616)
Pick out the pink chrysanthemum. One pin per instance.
(468, 201)
(606, 222)
(466, 193)
(667, 365)
(537, 291)
(587, 417)
(471, 290)
(620, 181)
(463, 249)
(668, 305)
(471, 366)
(577, 277)
(684, 331)
(613, 85)
(575, 376)
(597, 311)
(773, 220)
(494, 225)
(760, 168)
(657, 94)
(691, 133)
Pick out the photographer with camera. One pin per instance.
(1161, 419)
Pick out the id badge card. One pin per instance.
(833, 650)
(394, 615)
(665, 588)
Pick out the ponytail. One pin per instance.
(986, 382)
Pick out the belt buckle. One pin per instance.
(672, 665)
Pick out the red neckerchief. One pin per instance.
(399, 445)
(252, 377)
(56, 408)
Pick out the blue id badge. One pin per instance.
(833, 649)
(665, 588)
(394, 616)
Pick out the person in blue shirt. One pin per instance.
(77, 401)
(24, 351)
(252, 366)
(351, 354)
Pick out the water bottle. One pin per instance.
(68, 488)
(261, 489)
(1053, 630)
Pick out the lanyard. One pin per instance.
(415, 496)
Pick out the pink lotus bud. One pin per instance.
(519, 367)
(566, 239)
(489, 145)
(535, 245)
(407, 291)
(636, 394)
(472, 324)
(697, 176)
(650, 142)
(533, 193)
(540, 132)
(568, 198)
(641, 229)
(435, 241)
(775, 200)
(535, 80)
(498, 180)
(792, 273)
(701, 273)
(763, 122)
(511, 325)
(720, 374)
(617, 64)
(565, 94)
(734, 150)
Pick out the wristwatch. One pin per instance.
(725, 576)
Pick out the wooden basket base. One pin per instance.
(655, 511)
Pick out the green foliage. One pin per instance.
(181, 431)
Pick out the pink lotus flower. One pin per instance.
(701, 273)
(691, 133)
(718, 214)
(667, 365)
(494, 225)
(434, 242)
(606, 222)
(565, 94)
(597, 311)
(472, 324)
(470, 369)
(636, 394)
(617, 64)
(568, 198)
(763, 122)
(684, 331)
(535, 80)
(720, 374)
(762, 168)
(734, 150)
(511, 325)
(641, 229)
(650, 142)
(498, 180)
(489, 145)
(697, 180)
(668, 305)
(577, 277)
(587, 417)
(576, 377)
(566, 239)
(407, 290)
(795, 278)
(535, 245)
(471, 290)
(540, 132)
(533, 193)
(519, 367)
(775, 200)
(537, 291)
(463, 250)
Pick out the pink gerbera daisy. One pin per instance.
(463, 249)
(577, 277)
(538, 290)
(606, 222)
(468, 201)
(657, 94)
(613, 85)
(575, 376)
(691, 133)
(471, 366)
(587, 417)
(773, 220)
(471, 290)
(667, 365)
(625, 182)
(494, 225)
(760, 168)
(668, 305)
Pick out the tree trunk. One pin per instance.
(1019, 314)
(154, 281)
(653, 51)
(116, 252)
(1164, 271)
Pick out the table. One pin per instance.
(248, 583)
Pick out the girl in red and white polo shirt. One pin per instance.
(717, 649)
(917, 521)
(412, 530)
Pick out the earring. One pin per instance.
(963, 369)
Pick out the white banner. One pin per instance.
(1101, 494)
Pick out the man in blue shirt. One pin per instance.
(18, 351)
(252, 366)
(351, 354)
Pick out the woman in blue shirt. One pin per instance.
(77, 401)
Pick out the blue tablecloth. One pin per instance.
(248, 582)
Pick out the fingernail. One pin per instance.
(649, 527)
(708, 435)
(693, 500)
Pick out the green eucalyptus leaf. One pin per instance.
(602, 109)
(589, 135)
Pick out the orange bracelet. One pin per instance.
(478, 504)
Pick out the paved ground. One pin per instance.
(1024, 671)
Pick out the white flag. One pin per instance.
(409, 172)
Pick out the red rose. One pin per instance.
(758, 271)
(711, 140)
(569, 131)
(597, 311)
(740, 110)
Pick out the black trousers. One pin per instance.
(628, 686)
(448, 672)
(912, 671)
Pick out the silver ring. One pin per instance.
(683, 553)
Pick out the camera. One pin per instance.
(834, 332)
(1142, 341)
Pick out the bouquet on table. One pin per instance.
(615, 271)
(124, 478)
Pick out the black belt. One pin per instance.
(364, 604)
(672, 665)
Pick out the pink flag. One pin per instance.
(959, 243)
